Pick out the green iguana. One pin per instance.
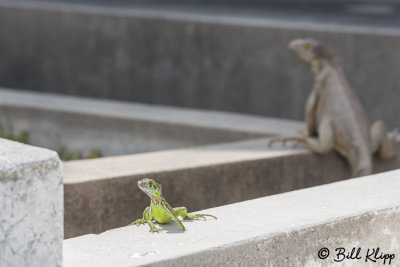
(160, 210)
(335, 116)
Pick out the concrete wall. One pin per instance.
(102, 194)
(192, 58)
(31, 206)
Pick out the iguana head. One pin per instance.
(150, 187)
(309, 50)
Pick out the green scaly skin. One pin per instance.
(160, 210)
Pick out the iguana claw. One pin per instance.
(296, 141)
(275, 140)
(197, 216)
(138, 222)
(284, 140)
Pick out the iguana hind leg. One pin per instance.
(182, 212)
(381, 142)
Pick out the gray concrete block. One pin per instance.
(31, 204)
(203, 56)
(282, 230)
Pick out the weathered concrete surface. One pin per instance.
(31, 206)
(282, 230)
(202, 57)
(116, 128)
(102, 194)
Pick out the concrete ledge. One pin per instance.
(102, 194)
(251, 125)
(31, 204)
(284, 230)
(115, 128)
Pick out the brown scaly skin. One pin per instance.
(335, 116)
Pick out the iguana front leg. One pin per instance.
(170, 211)
(144, 218)
(323, 144)
(182, 212)
(381, 142)
(153, 228)
(147, 218)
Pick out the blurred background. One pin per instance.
(228, 55)
(224, 55)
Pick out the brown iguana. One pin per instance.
(334, 114)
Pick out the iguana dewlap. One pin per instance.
(335, 115)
